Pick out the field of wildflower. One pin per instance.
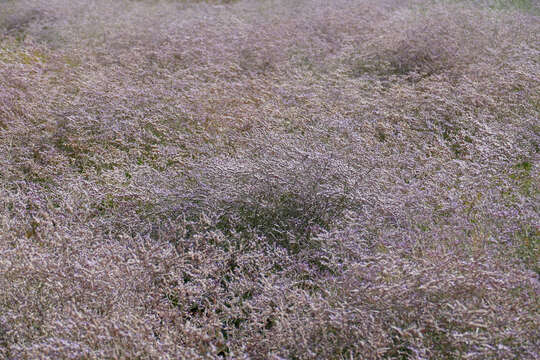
(269, 179)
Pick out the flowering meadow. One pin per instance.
(269, 179)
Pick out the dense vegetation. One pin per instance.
(269, 179)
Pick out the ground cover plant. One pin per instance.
(269, 179)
